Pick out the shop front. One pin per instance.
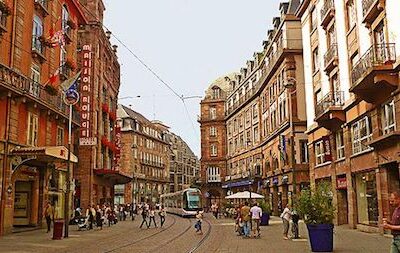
(367, 198)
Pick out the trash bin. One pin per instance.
(58, 229)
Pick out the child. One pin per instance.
(199, 218)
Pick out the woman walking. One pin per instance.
(152, 214)
(199, 220)
(162, 215)
(99, 217)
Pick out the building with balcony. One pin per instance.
(33, 115)
(145, 156)
(213, 141)
(352, 104)
(184, 164)
(99, 149)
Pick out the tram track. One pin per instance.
(175, 237)
(201, 242)
(143, 238)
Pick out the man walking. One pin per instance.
(256, 213)
(144, 217)
(286, 216)
(394, 223)
(245, 212)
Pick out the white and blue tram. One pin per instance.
(185, 203)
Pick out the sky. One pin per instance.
(189, 44)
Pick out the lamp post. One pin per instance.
(290, 84)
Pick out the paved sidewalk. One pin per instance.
(345, 240)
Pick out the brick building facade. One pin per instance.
(353, 106)
(213, 141)
(98, 169)
(145, 155)
(34, 118)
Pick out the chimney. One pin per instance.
(108, 34)
(115, 48)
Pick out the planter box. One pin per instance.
(264, 219)
(321, 237)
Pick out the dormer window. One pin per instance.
(216, 93)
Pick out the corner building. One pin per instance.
(351, 69)
(33, 115)
(213, 141)
(99, 169)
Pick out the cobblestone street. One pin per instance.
(179, 236)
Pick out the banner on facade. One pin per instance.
(341, 183)
(282, 146)
(327, 149)
(117, 153)
(86, 137)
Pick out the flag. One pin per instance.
(70, 83)
(57, 38)
(53, 79)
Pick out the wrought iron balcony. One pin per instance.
(371, 10)
(327, 13)
(373, 77)
(329, 112)
(33, 90)
(331, 58)
(42, 7)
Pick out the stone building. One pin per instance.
(98, 169)
(33, 115)
(184, 164)
(145, 156)
(266, 117)
(351, 68)
(213, 141)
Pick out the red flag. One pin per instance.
(53, 79)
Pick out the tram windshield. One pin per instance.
(193, 200)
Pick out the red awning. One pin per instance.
(115, 176)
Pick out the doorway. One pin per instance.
(22, 203)
(342, 207)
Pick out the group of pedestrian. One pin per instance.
(248, 220)
(149, 213)
(290, 215)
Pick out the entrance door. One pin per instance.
(342, 207)
(22, 203)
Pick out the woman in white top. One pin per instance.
(286, 216)
(152, 214)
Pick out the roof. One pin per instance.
(129, 113)
(222, 82)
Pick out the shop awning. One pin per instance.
(245, 195)
(115, 176)
(238, 184)
(46, 153)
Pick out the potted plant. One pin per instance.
(318, 212)
(266, 210)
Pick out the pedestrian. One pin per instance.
(394, 223)
(295, 224)
(256, 213)
(49, 215)
(162, 215)
(90, 216)
(109, 214)
(144, 217)
(99, 217)
(286, 216)
(245, 213)
(214, 209)
(199, 221)
(133, 211)
(152, 214)
(239, 222)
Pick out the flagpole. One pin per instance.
(68, 179)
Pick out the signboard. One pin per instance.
(86, 135)
(275, 180)
(341, 183)
(282, 146)
(327, 148)
(117, 154)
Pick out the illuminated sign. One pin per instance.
(86, 135)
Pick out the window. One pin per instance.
(319, 152)
(318, 97)
(216, 93)
(303, 151)
(255, 112)
(34, 87)
(213, 175)
(367, 198)
(36, 33)
(282, 108)
(379, 34)
(213, 131)
(315, 65)
(255, 132)
(60, 136)
(388, 118)
(33, 126)
(361, 134)
(314, 20)
(65, 18)
(340, 145)
(351, 14)
(213, 112)
(213, 150)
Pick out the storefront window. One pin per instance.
(367, 200)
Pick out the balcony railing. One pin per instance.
(330, 55)
(213, 179)
(325, 15)
(335, 98)
(32, 89)
(42, 6)
(376, 55)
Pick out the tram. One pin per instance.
(185, 203)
